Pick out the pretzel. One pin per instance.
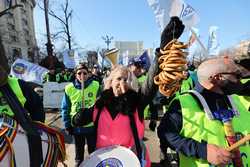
(172, 63)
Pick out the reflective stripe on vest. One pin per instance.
(4, 107)
(147, 113)
(242, 125)
(197, 126)
(75, 96)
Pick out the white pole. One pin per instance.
(198, 40)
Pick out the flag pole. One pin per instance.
(198, 40)
(82, 94)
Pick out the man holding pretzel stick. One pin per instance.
(201, 126)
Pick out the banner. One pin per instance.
(52, 94)
(69, 58)
(164, 9)
(80, 57)
(28, 71)
(213, 44)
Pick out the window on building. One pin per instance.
(16, 53)
(7, 3)
(13, 38)
(23, 11)
(24, 22)
(26, 33)
(10, 18)
(11, 27)
(30, 54)
(28, 42)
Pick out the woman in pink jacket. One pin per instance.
(118, 114)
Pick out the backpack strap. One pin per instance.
(136, 137)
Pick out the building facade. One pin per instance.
(17, 30)
(243, 49)
(92, 58)
(128, 49)
(131, 48)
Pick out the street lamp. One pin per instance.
(107, 40)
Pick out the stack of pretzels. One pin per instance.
(172, 64)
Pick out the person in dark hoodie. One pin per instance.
(79, 96)
(118, 113)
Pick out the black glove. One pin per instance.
(174, 29)
(69, 130)
(152, 125)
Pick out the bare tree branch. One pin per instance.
(64, 20)
(10, 8)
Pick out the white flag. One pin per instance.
(164, 9)
(161, 10)
(28, 71)
(185, 12)
(193, 44)
(213, 44)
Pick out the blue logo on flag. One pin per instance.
(19, 68)
(186, 11)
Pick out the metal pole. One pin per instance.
(107, 40)
(198, 40)
(82, 94)
(48, 44)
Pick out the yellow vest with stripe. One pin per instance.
(75, 96)
(147, 113)
(197, 126)
(4, 106)
(141, 79)
(242, 124)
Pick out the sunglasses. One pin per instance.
(80, 72)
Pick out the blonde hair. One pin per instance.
(131, 81)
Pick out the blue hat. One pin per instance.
(135, 61)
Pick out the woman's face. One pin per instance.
(119, 83)
(82, 75)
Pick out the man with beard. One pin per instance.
(187, 129)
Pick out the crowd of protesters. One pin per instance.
(97, 105)
(114, 95)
